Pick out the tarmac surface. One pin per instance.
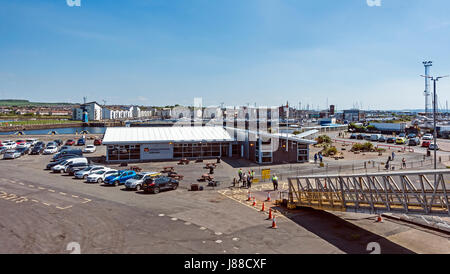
(44, 212)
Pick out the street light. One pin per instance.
(434, 79)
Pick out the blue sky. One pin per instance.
(160, 52)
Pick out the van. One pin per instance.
(63, 153)
(64, 166)
(375, 137)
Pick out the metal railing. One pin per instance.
(422, 192)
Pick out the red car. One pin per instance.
(97, 142)
(70, 142)
(18, 142)
(426, 143)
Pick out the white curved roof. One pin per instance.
(143, 135)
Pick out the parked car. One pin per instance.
(39, 144)
(136, 181)
(353, 136)
(360, 137)
(375, 137)
(68, 152)
(426, 143)
(411, 135)
(65, 147)
(51, 144)
(367, 137)
(382, 139)
(31, 141)
(98, 142)
(433, 147)
(18, 142)
(3, 150)
(37, 149)
(23, 145)
(122, 176)
(23, 150)
(428, 137)
(391, 140)
(12, 154)
(76, 167)
(52, 164)
(50, 150)
(414, 141)
(400, 140)
(99, 176)
(58, 142)
(70, 142)
(155, 185)
(81, 142)
(82, 174)
(89, 149)
(65, 165)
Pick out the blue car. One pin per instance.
(120, 178)
(81, 142)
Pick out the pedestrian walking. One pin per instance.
(240, 174)
(244, 180)
(249, 181)
(403, 163)
(275, 182)
(393, 156)
(315, 158)
(320, 157)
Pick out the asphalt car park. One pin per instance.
(42, 212)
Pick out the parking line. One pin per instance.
(41, 188)
(75, 196)
(62, 193)
(62, 208)
(22, 184)
(36, 201)
(47, 204)
(31, 186)
(86, 201)
(51, 190)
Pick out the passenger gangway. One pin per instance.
(424, 192)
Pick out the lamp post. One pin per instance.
(434, 79)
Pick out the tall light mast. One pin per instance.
(427, 92)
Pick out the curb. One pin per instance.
(422, 223)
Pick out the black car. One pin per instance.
(23, 150)
(411, 135)
(76, 167)
(39, 144)
(360, 137)
(155, 185)
(58, 142)
(353, 136)
(391, 140)
(37, 150)
(382, 139)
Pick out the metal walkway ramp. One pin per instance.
(424, 192)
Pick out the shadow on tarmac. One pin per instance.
(344, 235)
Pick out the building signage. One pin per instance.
(156, 151)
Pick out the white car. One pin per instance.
(50, 150)
(99, 176)
(84, 173)
(23, 145)
(12, 154)
(89, 149)
(9, 144)
(427, 137)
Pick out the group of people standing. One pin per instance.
(391, 158)
(246, 177)
(318, 155)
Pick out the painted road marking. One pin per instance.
(22, 184)
(33, 200)
(32, 186)
(62, 208)
(47, 204)
(75, 196)
(41, 188)
(62, 193)
(86, 200)
(51, 190)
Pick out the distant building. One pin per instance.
(93, 109)
(353, 115)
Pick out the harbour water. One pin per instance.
(69, 130)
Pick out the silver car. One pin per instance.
(12, 154)
(84, 173)
(136, 181)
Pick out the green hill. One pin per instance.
(22, 103)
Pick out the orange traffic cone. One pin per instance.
(262, 209)
(379, 219)
(270, 214)
(254, 201)
(249, 196)
(268, 197)
(274, 223)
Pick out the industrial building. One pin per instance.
(136, 144)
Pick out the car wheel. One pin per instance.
(156, 190)
(137, 188)
(99, 180)
(175, 186)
